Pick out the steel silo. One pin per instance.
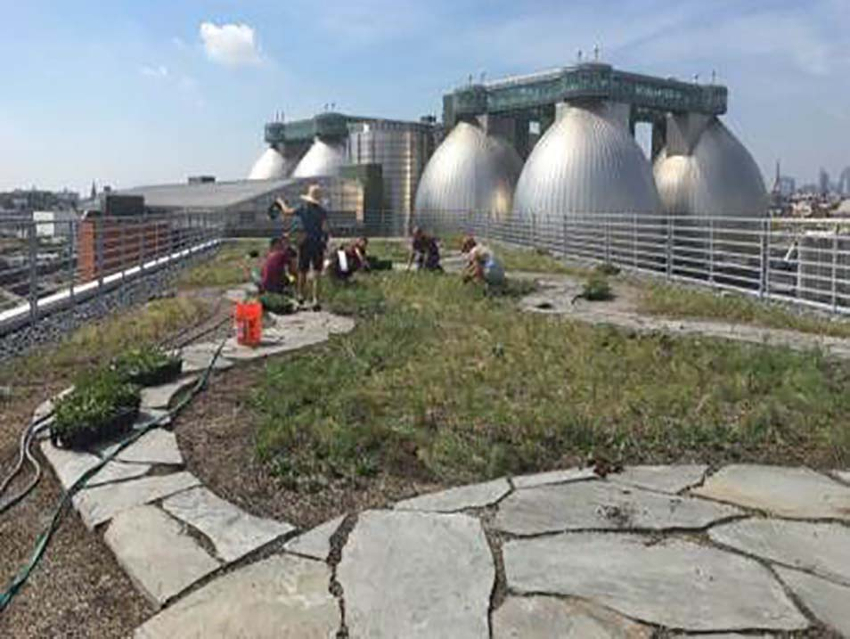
(469, 172)
(323, 159)
(271, 165)
(402, 149)
(586, 163)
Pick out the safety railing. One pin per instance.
(50, 265)
(803, 261)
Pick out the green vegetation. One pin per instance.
(148, 366)
(229, 267)
(442, 382)
(597, 289)
(103, 404)
(677, 301)
(98, 343)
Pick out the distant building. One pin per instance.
(823, 182)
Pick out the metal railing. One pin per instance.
(802, 261)
(47, 266)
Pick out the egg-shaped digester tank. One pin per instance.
(271, 165)
(323, 159)
(719, 178)
(586, 164)
(469, 172)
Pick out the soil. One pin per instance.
(78, 589)
(216, 434)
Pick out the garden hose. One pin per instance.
(24, 454)
(44, 538)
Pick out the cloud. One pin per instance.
(154, 72)
(231, 45)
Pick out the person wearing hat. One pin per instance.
(310, 229)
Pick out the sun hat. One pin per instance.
(313, 195)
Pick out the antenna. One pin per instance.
(579, 56)
(713, 76)
(470, 79)
(696, 78)
(596, 52)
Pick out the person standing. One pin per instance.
(310, 227)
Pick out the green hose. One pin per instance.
(44, 538)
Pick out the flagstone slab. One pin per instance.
(69, 465)
(416, 575)
(234, 532)
(823, 549)
(101, 503)
(596, 505)
(197, 358)
(460, 498)
(674, 583)
(829, 602)
(547, 617)
(843, 476)
(316, 543)
(553, 477)
(156, 553)
(157, 446)
(665, 479)
(161, 396)
(116, 471)
(282, 597)
(797, 493)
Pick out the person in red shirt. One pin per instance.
(278, 267)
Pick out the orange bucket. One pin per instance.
(248, 317)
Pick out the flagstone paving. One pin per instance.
(649, 551)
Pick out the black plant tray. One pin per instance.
(121, 422)
(161, 375)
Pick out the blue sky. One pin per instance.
(132, 92)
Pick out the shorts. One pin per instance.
(311, 253)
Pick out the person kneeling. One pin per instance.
(347, 260)
(482, 264)
(279, 267)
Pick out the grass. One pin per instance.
(443, 382)
(229, 267)
(678, 302)
(97, 343)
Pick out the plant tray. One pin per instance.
(120, 423)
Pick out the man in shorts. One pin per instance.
(310, 228)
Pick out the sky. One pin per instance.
(130, 92)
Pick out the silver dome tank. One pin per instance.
(469, 171)
(321, 160)
(271, 165)
(719, 178)
(586, 163)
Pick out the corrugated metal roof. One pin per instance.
(210, 195)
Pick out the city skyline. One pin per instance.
(129, 95)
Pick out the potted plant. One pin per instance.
(278, 304)
(148, 367)
(102, 406)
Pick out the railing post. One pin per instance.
(711, 250)
(99, 228)
(669, 247)
(141, 234)
(834, 283)
(634, 241)
(608, 239)
(73, 231)
(765, 258)
(32, 246)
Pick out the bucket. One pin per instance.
(248, 317)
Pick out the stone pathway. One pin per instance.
(166, 530)
(556, 297)
(637, 554)
(668, 551)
